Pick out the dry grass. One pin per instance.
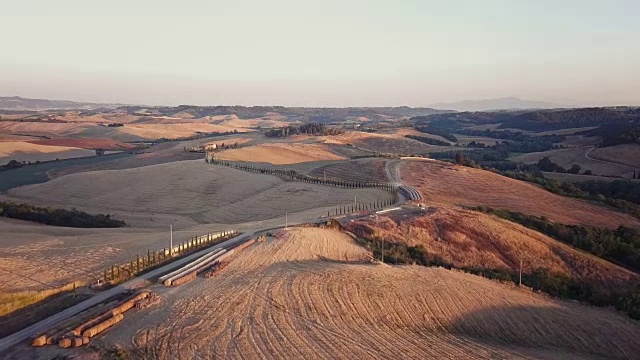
(10, 302)
(311, 295)
(172, 131)
(577, 155)
(230, 141)
(26, 151)
(385, 143)
(280, 153)
(43, 129)
(189, 190)
(353, 170)
(627, 154)
(471, 239)
(443, 183)
(85, 143)
(252, 123)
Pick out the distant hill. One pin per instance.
(507, 103)
(538, 120)
(20, 103)
(303, 114)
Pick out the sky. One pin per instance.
(321, 53)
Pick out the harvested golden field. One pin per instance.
(252, 123)
(192, 191)
(85, 143)
(385, 143)
(229, 141)
(578, 155)
(26, 151)
(353, 170)
(467, 238)
(443, 183)
(311, 294)
(43, 128)
(626, 154)
(172, 131)
(280, 153)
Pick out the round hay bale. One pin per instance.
(64, 343)
(77, 342)
(39, 341)
(85, 340)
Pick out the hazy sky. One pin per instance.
(320, 53)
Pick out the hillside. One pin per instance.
(20, 103)
(506, 103)
(542, 120)
(447, 184)
(279, 153)
(311, 293)
(189, 192)
(466, 238)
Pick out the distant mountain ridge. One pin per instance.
(20, 103)
(506, 103)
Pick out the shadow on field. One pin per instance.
(579, 331)
(31, 314)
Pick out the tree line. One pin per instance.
(58, 217)
(294, 175)
(317, 129)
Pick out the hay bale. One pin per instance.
(39, 341)
(102, 326)
(179, 281)
(64, 343)
(76, 342)
(85, 340)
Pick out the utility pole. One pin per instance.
(286, 220)
(171, 240)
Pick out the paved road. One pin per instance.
(139, 282)
(392, 167)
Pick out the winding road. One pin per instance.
(393, 172)
(392, 167)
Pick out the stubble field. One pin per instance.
(313, 294)
(189, 193)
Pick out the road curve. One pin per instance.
(392, 168)
(142, 281)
